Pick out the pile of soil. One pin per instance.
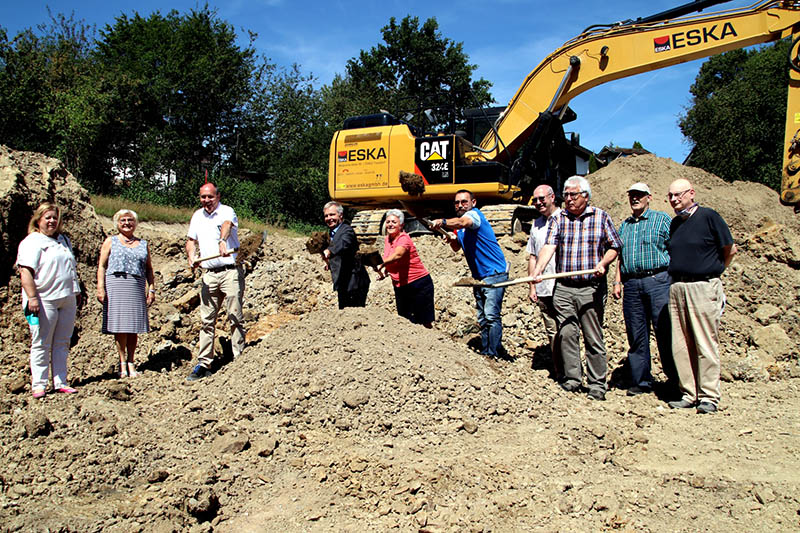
(357, 419)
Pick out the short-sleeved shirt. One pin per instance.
(535, 244)
(644, 242)
(54, 267)
(483, 253)
(696, 244)
(409, 267)
(206, 229)
(581, 240)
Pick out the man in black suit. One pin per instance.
(350, 278)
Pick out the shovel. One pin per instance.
(198, 261)
(467, 282)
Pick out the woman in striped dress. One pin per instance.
(125, 287)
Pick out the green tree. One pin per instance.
(178, 85)
(738, 103)
(637, 145)
(415, 68)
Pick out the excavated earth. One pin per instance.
(356, 420)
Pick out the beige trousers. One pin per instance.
(694, 311)
(218, 288)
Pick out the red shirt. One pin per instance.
(409, 267)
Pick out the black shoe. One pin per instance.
(705, 408)
(681, 404)
(636, 390)
(569, 386)
(597, 394)
(198, 372)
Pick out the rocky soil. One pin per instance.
(357, 420)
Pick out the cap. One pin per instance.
(640, 187)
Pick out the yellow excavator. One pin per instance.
(524, 145)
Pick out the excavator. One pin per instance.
(524, 145)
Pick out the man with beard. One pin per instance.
(476, 237)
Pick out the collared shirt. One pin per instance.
(644, 242)
(581, 240)
(535, 244)
(206, 229)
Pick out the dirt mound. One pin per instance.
(356, 419)
(26, 180)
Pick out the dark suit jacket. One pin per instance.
(346, 270)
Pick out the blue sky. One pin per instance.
(505, 38)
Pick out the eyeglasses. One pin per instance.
(537, 199)
(461, 202)
(572, 194)
(677, 195)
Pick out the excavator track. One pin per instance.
(506, 219)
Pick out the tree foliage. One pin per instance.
(415, 68)
(738, 105)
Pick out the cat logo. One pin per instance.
(433, 150)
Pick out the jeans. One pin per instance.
(644, 303)
(489, 302)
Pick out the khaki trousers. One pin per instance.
(694, 311)
(218, 288)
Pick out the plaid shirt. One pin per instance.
(582, 240)
(644, 242)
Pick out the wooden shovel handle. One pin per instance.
(528, 279)
(198, 261)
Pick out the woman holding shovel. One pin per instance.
(413, 287)
(125, 287)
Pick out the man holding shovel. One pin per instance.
(582, 237)
(211, 244)
(486, 262)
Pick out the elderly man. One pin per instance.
(350, 279)
(213, 234)
(642, 270)
(701, 248)
(486, 262)
(542, 293)
(583, 237)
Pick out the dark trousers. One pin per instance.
(355, 298)
(644, 305)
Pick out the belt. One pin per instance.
(643, 273)
(680, 278)
(221, 269)
(578, 283)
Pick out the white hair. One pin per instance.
(121, 212)
(396, 213)
(337, 205)
(581, 183)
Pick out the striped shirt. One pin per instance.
(644, 242)
(581, 240)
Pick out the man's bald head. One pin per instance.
(681, 194)
(209, 197)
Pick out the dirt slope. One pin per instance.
(355, 420)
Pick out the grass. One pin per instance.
(108, 205)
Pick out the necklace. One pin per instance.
(126, 240)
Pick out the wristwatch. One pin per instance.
(444, 222)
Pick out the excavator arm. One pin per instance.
(604, 53)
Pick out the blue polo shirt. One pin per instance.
(483, 254)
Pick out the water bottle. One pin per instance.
(31, 317)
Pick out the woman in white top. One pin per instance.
(50, 295)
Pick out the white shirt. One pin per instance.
(535, 244)
(55, 272)
(206, 228)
